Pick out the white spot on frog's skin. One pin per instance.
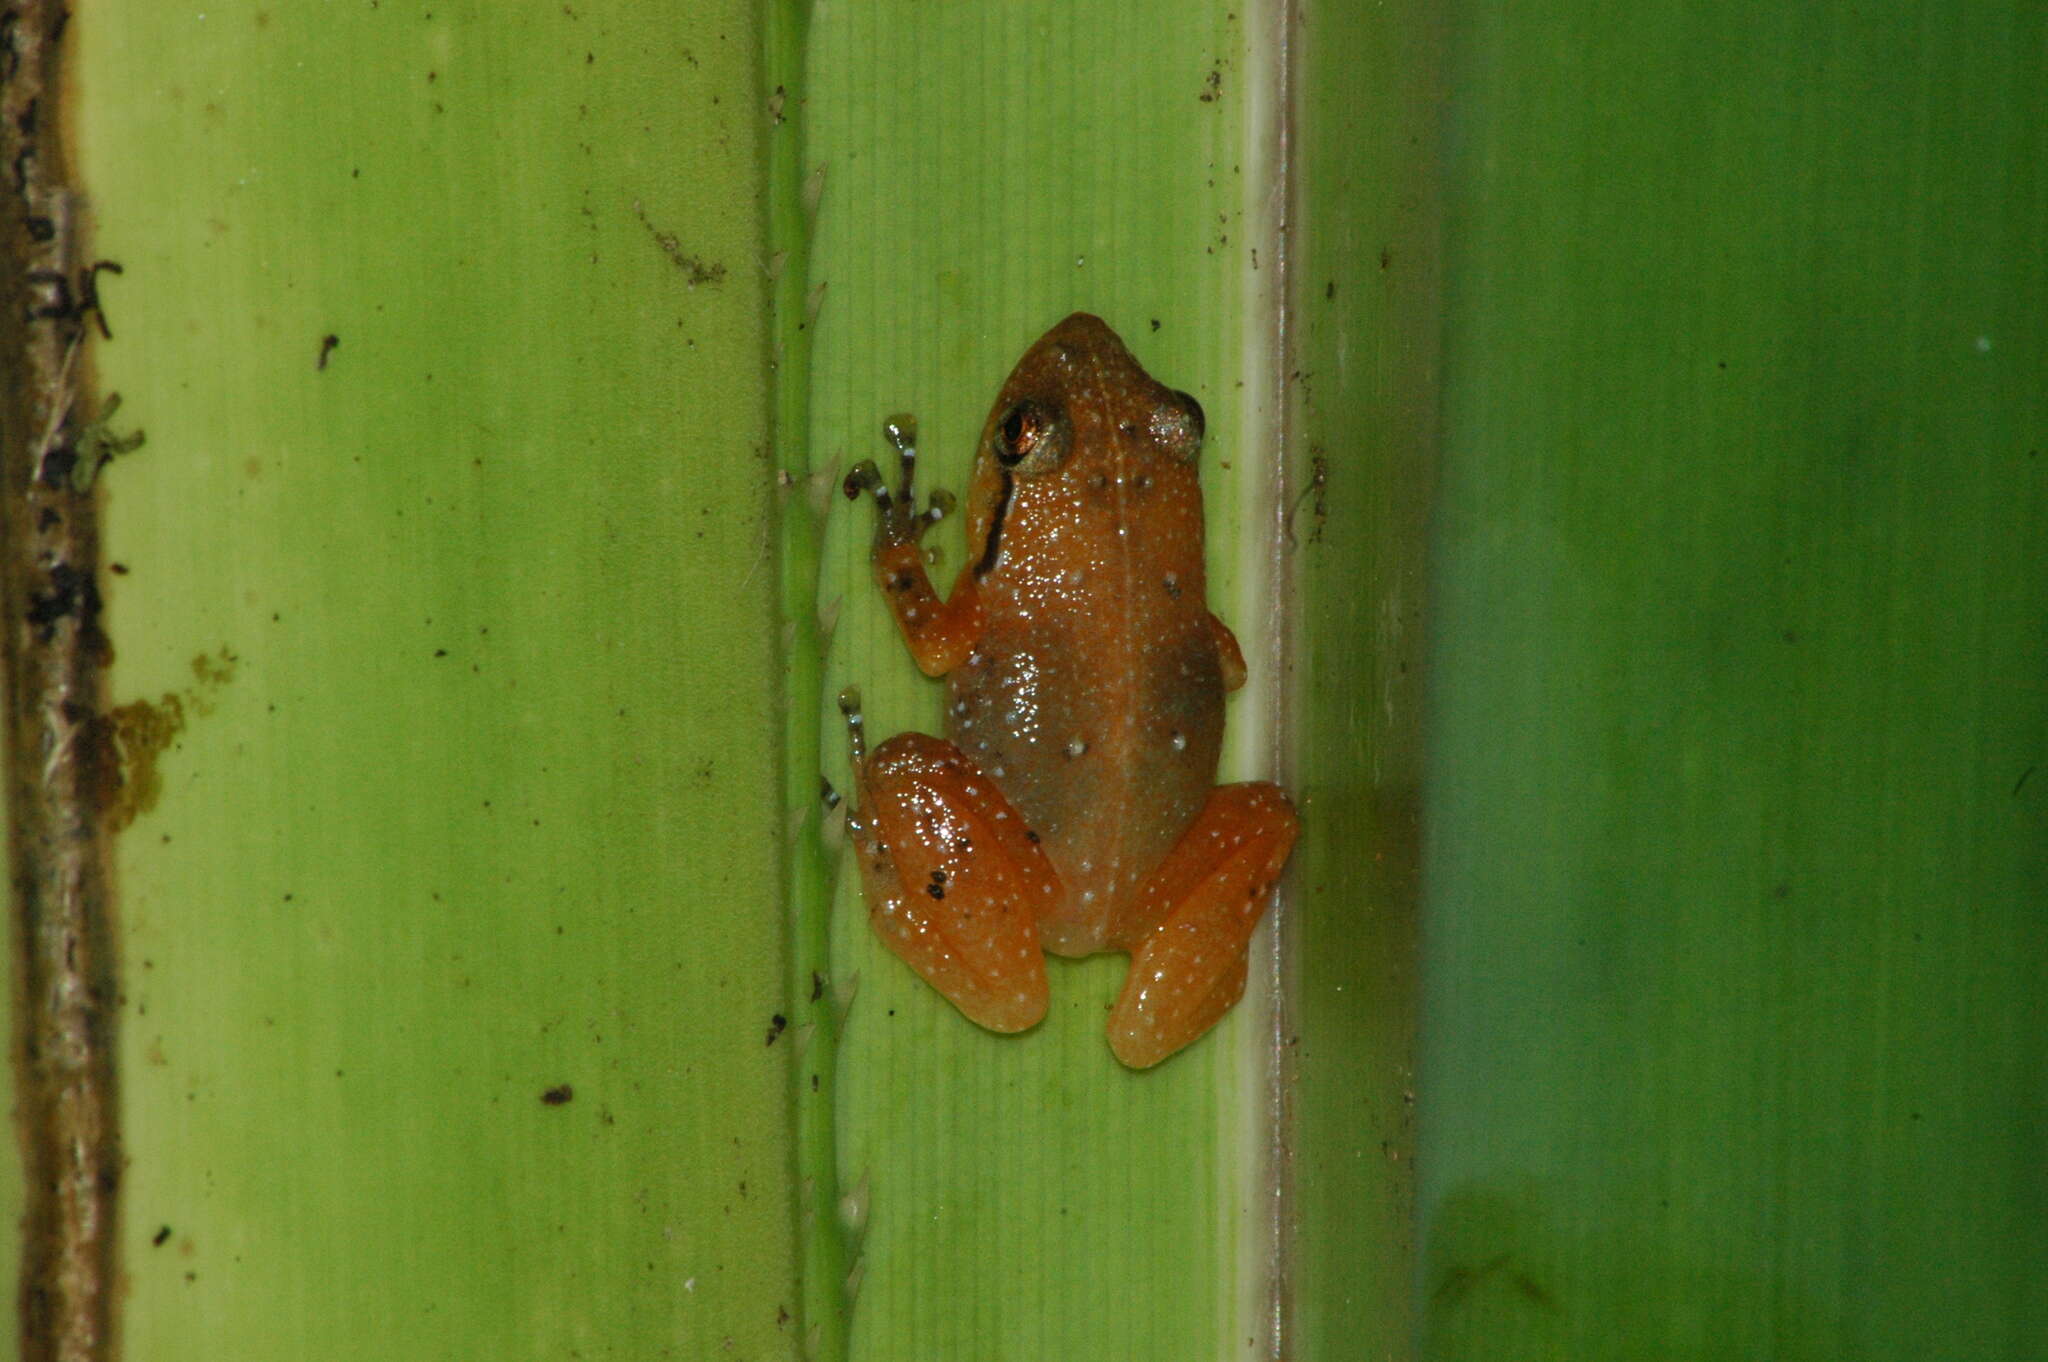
(1180, 741)
(1173, 585)
(1076, 748)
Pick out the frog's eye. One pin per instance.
(1031, 437)
(1177, 426)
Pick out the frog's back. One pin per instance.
(1094, 697)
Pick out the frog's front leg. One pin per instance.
(939, 633)
(955, 882)
(1206, 898)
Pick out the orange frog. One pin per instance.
(1075, 808)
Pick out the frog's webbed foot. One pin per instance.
(897, 519)
(954, 882)
(1207, 897)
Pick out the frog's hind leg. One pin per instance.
(955, 882)
(1206, 897)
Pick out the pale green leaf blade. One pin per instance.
(448, 827)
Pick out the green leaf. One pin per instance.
(986, 171)
(1734, 1031)
(1658, 407)
(451, 944)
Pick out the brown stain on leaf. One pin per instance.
(142, 732)
(133, 738)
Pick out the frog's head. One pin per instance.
(1080, 432)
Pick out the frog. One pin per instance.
(1072, 806)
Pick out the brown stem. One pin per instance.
(59, 753)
